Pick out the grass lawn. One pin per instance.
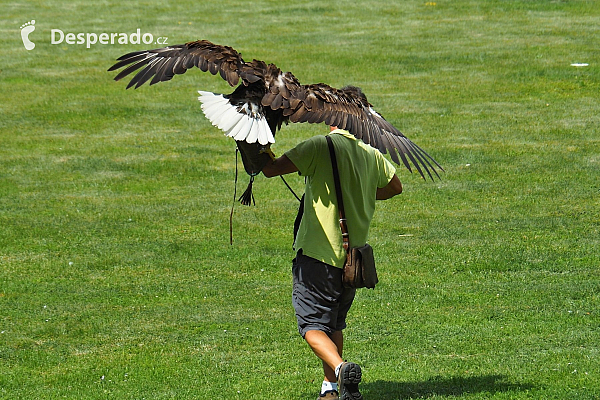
(117, 279)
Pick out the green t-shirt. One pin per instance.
(362, 170)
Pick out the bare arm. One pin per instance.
(281, 166)
(393, 188)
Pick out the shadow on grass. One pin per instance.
(439, 386)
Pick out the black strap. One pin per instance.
(338, 192)
(298, 219)
(291, 190)
(234, 197)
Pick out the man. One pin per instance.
(320, 300)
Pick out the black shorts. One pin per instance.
(320, 299)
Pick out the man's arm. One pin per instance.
(281, 166)
(393, 188)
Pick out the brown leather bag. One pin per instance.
(359, 268)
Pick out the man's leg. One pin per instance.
(328, 349)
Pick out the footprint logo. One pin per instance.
(26, 29)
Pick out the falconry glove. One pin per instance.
(254, 156)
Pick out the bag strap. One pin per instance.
(338, 192)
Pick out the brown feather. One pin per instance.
(298, 115)
(277, 102)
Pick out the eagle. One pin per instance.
(266, 98)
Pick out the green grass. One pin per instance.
(117, 279)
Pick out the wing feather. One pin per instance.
(131, 68)
(141, 74)
(349, 109)
(137, 56)
(164, 71)
(206, 56)
(388, 145)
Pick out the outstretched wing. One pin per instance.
(348, 109)
(162, 64)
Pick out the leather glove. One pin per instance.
(254, 156)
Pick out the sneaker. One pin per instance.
(329, 395)
(348, 379)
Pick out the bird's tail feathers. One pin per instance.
(240, 123)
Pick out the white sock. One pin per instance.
(327, 386)
(337, 370)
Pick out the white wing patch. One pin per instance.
(373, 112)
(246, 124)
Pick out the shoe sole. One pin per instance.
(351, 375)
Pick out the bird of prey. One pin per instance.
(266, 98)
